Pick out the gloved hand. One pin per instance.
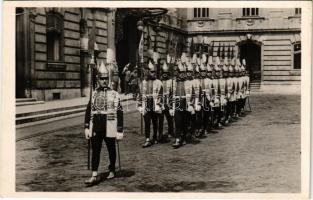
(198, 107)
(190, 109)
(211, 104)
(158, 109)
(88, 133)
(119, 135)
(141, 110)
(171, 112)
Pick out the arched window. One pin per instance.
(297, 56)
(55, 37)
(201, 12)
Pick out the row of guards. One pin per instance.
(195, 93)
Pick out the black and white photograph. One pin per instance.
(181, 99)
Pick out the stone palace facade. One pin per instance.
(52, 43)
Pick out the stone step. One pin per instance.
(19, 100)
(47, 111)
(52, 114)
(27, 103)
(28, 117)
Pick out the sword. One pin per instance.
(249, 103)
(119, 157)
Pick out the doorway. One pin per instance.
(251, 52)
(20, 54)
(127, 44)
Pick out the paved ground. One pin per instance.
(258, 153)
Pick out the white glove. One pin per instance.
(141, 110)
(211, 104)
(88, 133)
(171, 112)
(198, 107)
(190, 109)
(119, 135)
(158, 109)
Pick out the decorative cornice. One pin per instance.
(294, 30)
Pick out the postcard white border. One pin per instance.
(7, 136)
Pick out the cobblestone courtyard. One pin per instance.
(258, 153)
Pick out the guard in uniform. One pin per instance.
(223, 88)
(190, 84)
(237, 88)
(103, 121)
(197, 94)
(242, 90)
(247, 82)
(202, 103)
(228, 76)
(231, 86)
(168, 84)
(207, 96)
(179, 106)
(217, 95)
(149, 103)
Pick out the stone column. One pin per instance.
(85, 76)
(31, 79)
(111, 29)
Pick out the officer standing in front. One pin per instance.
(103, 121)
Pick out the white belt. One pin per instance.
(103, 112)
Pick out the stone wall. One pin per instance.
(64, 78)
(275, 30)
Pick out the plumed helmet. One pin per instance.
(226, 61)
(110, 56)
(197, 70)
(232, 62)
(198, 61)
(210, 61)
(202, 67)
(150, 53)
(164, 67)
(216, 67)
(236, 68)
(230, 68)
(155, 57)
(168, 58)
(243, 68)
(181, 67)
(194, 58)
(203, 58)
(244, 62)
(209, 68)
(217, 61)
(189, 67)
(151, 66)
(225, 68)
(103, 70)
(238, 62)
(183, 58)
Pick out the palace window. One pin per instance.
(200, 12)
(55, 40)
(297, 11)
(297, 56)
(250, 12)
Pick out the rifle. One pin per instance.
(140, 61)
(91, 45)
